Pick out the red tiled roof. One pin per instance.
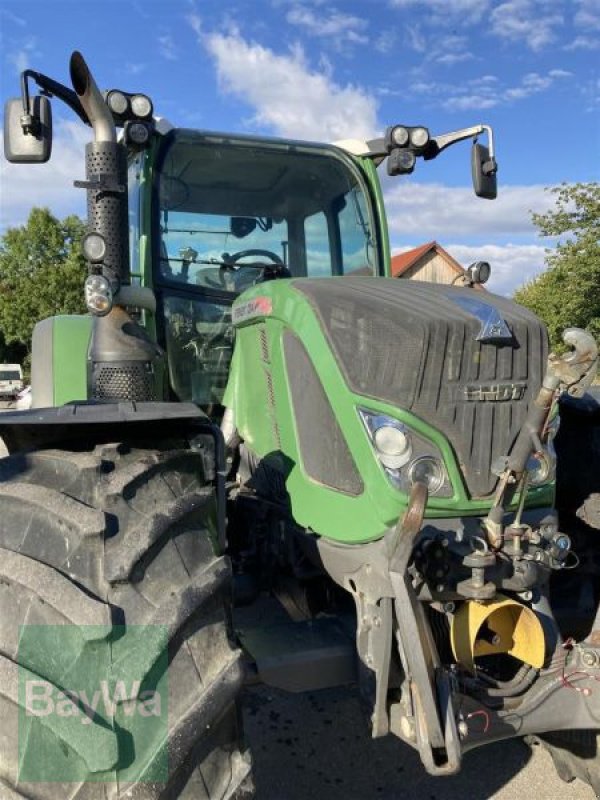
(404, 261)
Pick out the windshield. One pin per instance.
(233, 213)
(9, 375)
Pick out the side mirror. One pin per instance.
(483, 170)
(35, 146)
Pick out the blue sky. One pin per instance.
(326, 71)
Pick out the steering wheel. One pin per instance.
(234, 257)
(269, 270)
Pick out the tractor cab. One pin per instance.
(228, 213)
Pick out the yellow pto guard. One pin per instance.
(499, 626)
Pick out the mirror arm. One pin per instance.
(50, 88)
(444, 140)
(377, 149)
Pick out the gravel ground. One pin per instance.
(316, 746)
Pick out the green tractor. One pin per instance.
(254, 408)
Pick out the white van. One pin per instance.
(11, 381)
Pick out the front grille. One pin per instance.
(408, 344)
(133, 381)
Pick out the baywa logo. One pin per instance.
(93, 704)
(42, 699)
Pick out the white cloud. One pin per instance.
(485, 92)
(434, 211)
(530, 21)
(455, 218)
(132, 68)
(588, 15)
(21, 58)
(385, 41)
(512, 264)
(287, 96)
(341, 28)
(166, 47)
(583, 43)
(8, 15)
(441, 48)
(466, 11)
(454, 58)
(51, 184)
(415, 38)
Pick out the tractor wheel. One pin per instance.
(110, 581)
(578, 452)
(576, 754)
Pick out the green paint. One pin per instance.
(71, 338)
(328, 512)
(372, 176)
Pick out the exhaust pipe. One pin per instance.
(121, 356)
(106, 176)
(92, 101)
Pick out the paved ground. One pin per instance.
(315, 747)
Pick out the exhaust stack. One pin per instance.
(121, 355)
(92, 101)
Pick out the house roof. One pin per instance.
(404, 261)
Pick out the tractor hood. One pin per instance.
(464, 361)
(467, 362)
(310, 352)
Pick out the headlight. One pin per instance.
(98, 295)
(427, 470)
(392, 445)
(541, 468)
(405, 456)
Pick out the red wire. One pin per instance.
(481, 713)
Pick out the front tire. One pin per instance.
(109, 556)
(576, 753)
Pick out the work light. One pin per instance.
(117, 102)
(141, 106)
(93, 246)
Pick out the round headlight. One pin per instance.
(93, 247)
(138, 133)
(427, 470)
(400, 135)
(141, 105)
(393, 446)
(117, 102)
(419, 137)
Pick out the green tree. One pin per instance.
(42, 272)
(568, 293)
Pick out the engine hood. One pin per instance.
(467, 362)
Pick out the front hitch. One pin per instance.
(429, 718)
